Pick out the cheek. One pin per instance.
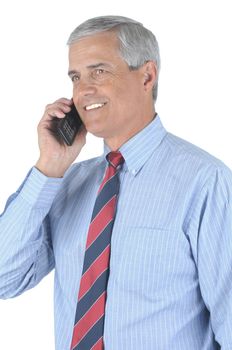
(75, 95)
(129, 98)
(130, 88)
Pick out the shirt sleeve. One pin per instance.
(211, 225)
(26, 254)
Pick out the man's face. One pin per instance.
(109, 97)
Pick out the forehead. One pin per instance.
(103, 47)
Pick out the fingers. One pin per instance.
(57, 109)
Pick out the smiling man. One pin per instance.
(114, 101)
(140, 237)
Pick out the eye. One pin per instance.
(75, 78)
(99, 74)
(100, 71)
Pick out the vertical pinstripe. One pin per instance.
(170, 282)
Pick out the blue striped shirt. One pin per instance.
(170, 284)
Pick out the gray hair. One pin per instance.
(137, 44)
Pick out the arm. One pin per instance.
(211, 221)
(25, 249)
(25, 239)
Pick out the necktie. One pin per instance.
(90, 312)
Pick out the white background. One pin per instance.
(194, 102)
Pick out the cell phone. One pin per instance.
(65, 129)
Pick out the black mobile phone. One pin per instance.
(65, 129)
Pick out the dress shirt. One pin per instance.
(170, 283)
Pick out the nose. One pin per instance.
(84, 89)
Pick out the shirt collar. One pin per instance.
(137, 150)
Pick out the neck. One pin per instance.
(116, 142)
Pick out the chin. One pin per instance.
(96, 131)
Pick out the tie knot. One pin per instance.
(115, 159)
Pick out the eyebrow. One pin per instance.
(91, 66)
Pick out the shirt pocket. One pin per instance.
(151, 261)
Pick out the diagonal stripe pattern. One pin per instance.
(90, 312)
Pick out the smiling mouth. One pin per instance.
(94, 106)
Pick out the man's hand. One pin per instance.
(55, 158)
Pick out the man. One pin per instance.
(169, 278)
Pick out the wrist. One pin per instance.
(49, 168)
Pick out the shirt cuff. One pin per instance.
(40, 190)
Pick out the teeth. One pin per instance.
(95, 105)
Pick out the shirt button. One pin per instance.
(133, 171)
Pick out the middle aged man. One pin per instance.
(169, 282)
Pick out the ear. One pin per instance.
(149, 75)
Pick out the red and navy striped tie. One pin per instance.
(90, 312)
